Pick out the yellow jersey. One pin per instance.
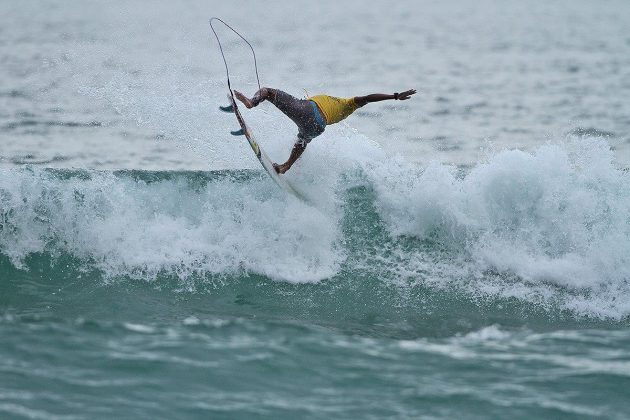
(334, 109)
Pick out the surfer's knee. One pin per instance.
(262, 95)
(301, 142)
(270, 94)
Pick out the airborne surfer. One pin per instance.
(312, 115)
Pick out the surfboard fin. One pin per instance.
(228, 108)
(240, 132)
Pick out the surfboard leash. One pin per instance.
(227, 70)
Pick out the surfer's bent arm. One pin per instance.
(377, 97)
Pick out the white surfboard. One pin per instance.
(260, 153)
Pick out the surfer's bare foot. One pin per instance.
(280, 168)
(246, 101)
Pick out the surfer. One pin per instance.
(312, 115)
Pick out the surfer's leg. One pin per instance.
(298, 110)
(296, 152)
(303, 139)
(301, 112)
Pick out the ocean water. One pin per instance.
(463, 254)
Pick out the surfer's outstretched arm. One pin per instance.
(377, 97)
(296, 152)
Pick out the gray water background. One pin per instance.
(126, 85)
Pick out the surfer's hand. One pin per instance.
(402, 96)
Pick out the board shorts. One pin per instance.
(303, 112)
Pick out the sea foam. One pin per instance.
(556, 217)
(127, 227)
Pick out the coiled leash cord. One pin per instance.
(227, 71)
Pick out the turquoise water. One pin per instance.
(112, 315)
